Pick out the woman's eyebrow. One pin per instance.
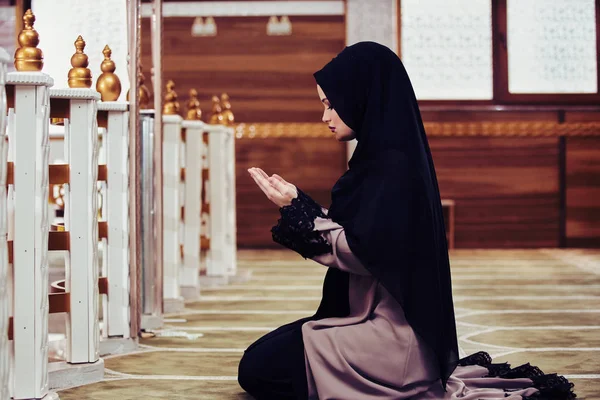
(324, 99)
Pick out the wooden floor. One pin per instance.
(538, 306)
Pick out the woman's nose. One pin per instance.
(326, 118)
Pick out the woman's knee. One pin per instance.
(247, 369)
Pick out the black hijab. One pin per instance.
(388, 201)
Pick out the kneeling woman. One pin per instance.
(385, 328)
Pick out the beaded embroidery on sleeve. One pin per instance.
(295, 228)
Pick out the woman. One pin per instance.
(385, 328)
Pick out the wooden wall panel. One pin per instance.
(583, 192)
(268, 78)
(313, 165)
(506, 190)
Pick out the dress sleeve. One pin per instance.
(341, 256)
(305, 228)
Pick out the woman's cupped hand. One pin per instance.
(274, 187)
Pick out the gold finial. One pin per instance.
(108, 84)
(194, 112)
(80, 75)
(228, 118)
(143, 91)
(216, 116)
(28, 57)
(171, 105)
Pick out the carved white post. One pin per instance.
(221, 158)
(205, 279)
(116, 210)
(152, 268)
(29, 134)
(4, 282)
(230, 205)
(190, 276)
(171, 213)
(81, 221)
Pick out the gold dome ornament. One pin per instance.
(216, 116)
(143, 91)
(194, 112)
(28, 57)
(108, 84)
(80, 75)
(171, 105)
(228, 117)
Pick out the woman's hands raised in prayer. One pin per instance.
(275, 187)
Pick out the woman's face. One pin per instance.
(341, 131)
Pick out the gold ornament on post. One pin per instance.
(194, 112)
(216, 117)
(143, 91)
(28, 57)
(108, 84)
(171, 105)
(228, 118)
(80, 76)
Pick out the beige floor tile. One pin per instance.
(541, 338)
(295, 305)
(515, 291)
(525, 319)
(295, 280)
(560, 362)
(209, 339)
(133, 389)
(586, 389)
(527, 304)
(176, 363)
(264, 293)
(237, 320)
(582, 279)
(533, 273)
(313, 272)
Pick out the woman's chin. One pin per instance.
(343, 138)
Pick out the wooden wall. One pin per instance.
(511, 189)
(268, 78)
(538, 190)
(583, 191)
(506, 189)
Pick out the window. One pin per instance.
(447, 48)
(502, 51)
